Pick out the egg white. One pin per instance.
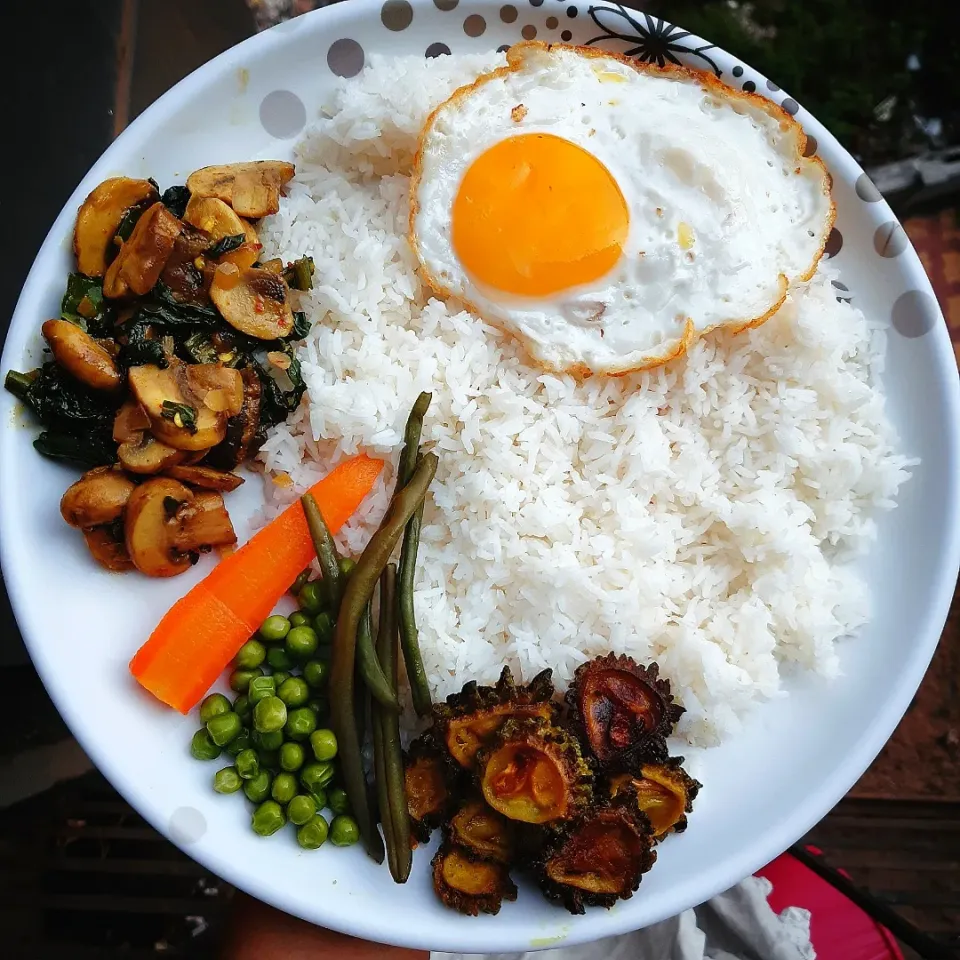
(725, 211)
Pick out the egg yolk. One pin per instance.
(536, 214)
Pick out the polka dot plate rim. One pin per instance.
(763, 789)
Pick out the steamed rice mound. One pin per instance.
(703, 514)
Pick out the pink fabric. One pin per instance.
(839, 929)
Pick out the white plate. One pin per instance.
(763, 789)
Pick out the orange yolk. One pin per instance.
(536, 214)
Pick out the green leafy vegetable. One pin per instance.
(175, 199)
(299, 274)
(83, 304)
(225, 245)
(181, 414)
(96, 450)
(143, 345)
(301, 326)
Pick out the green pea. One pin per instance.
(324, 744)
(259, 688)
(347, 566)
(294, 691)
(313, 833)
(270, 741)
(257, 788)
(299, 619)
(213, 706)
(274, 628)
(311, 598)
(323, 627)
(300, 723)
(224, 728)
(250, 655)
(344, 831)
(319, 706)
(337, 800)
(240, 679)
(269, 715)
(248, 764)
(279, 676)
(284, 788)
(239, 743)
(202, 746)
(268, 818)
(242, 706)
(315, 673)
(319, 797)
(315, 775)
(291, 756)
(300, 809)
(278, 658)
(301, 643)
(227, 780)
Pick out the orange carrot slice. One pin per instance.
(202, 632)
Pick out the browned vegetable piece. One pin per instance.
(98, 497)
(129, 422)
(187, 272)
(240, 443)
(81, 356)
(624, 711)
(483, 831)
(148, 532)
(426, 785)
(138, 265)
(106, 549)
(534, 773)
(99, 217)
(250, 234)
(663, 793)
(244, 257)
(144, 454)
(205, 478)
(201, 523)
(471, 719)
(252, 188)
(188, 404)
(254, 301)
(273, 266)
(213, 217)
(600, 860)
(469, 884)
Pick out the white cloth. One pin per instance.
(737, 925)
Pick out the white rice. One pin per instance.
(703, 514)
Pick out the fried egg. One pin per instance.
(608, 213)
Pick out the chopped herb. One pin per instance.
(225, 245)
(81, 290)
(301, 326)
(180, 414)
(299, 274)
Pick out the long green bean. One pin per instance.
(376, 722)
(326, 549)
(369, 666)
(390, 788)
(356, 596)
(411, 441)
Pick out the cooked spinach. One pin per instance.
(94, 450)
(225, 245)
(198, 348)
(180, 414)
(144, 345)
(83, 303)
(277, 401)
(175, 199)
(301, 326)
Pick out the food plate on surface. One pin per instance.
(703, 532)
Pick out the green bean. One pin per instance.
(411, 441)
(369, 666)
(391, 795)
(356, 596)
(327, 554)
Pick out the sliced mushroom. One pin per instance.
(130, 422)
(201, 523)
(98, 497)
(240, 442)
(99, 217)
(148, 533)
(184, 272)
(252, 189)
(138, 265)
(206, 478)
(253, 301)
(107, 550)
(250, 233)
(214, 217)
(144, 454)
(188, 405)
(83, 358)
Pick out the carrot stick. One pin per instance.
(201, 633)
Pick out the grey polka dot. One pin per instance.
(890, 240)
(437, 50)
(866, 190)
(282, 114)
(396, 15)
(572, 12)
(536, 3)
(749, 86)
(187, 825)
(738, 71)
(529, 32)
(566, 36)
(811, 148)
(552, 23)
(345, 57)
(914, 313)
(508, 13)
(772, 86)
(843, 291)
(474, 25)
(791, 106)
(834, 243)
(445, 4)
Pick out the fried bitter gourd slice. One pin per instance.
(482, 830)
(470, 719)
(534, 772)
(599, 860)
(623, 711)
(428, 785)
(663, 792)
(468, 883)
